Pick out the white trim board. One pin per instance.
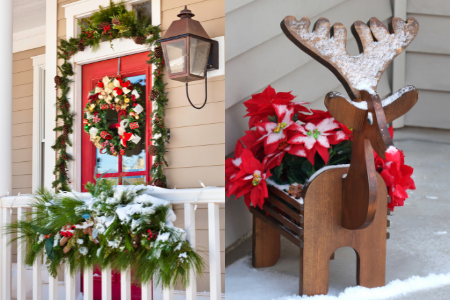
(29, 39)
(38, 115)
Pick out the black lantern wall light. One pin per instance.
(189, 52)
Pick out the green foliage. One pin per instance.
(295, 169)
(128, 25)
(142, 239)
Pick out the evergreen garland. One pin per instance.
(108, 24)
(119, 227)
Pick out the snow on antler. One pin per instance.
(360, 72)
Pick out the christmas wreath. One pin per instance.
(115, 95)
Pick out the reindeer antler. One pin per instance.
(378, 47)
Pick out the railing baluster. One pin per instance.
(125, 284)
(21, 270)
(147, 290)
(52, 287)
(189, 226)
(69, 282)
(88, 283)
(6, 258)
(214, 251)
(37, 277)
(106, 284)
(168, 294)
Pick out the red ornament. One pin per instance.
(106, 135)
(134, 125)
(104, 106)
(122, 152)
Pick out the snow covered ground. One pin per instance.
(419, 245)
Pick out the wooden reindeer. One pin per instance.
(343, 207)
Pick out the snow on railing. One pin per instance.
(212, 196)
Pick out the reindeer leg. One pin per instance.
(266, 244)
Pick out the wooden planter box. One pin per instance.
(313, 223)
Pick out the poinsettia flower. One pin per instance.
(318, 138)
(260, 107)
(117, 91)
(316, 117)
(117, 82)
(250, 181)
(106, 80)
(100, 84)
(274, 134)
(125, 90)
(232, 165)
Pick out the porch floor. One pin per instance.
(418, 244)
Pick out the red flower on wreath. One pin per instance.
(250, 181)
(100, 84)
(118, 91)
(96, 119)
(260, 106)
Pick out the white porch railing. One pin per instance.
(213, 197)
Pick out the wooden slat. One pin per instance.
(106, 284)
(189, 227)
(147, 290)
(6, 257)
(295, 215)
(276, 225)
(88, 284)
(21, 270)
(283, 220)
(125, 284)
(214, 251)
(286, 198)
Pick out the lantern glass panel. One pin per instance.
(199, 53)
(175, 56)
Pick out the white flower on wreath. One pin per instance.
(111, 86)
(106, 80)
(126, 91)
(116, 83)
(135, 93)
(98, 90)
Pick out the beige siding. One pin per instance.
(22, 119)
(428, 62)
(197, 144)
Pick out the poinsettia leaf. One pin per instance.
(49, 248)
(273, 119)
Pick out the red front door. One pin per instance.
(128, 169)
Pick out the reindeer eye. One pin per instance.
(370, 118)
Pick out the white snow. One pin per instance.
(320, 171)
(440, 232)
(272, 285)
(392, 290)
(361, 105)
(397, 95)
(431, 197)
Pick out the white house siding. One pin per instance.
(428, 64)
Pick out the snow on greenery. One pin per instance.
(117, 227)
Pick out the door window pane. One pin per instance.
(132, 180)
(107, 163)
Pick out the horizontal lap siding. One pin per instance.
(22, 120)
(427, 64)
(197, 144)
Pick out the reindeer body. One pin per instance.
(348, 210)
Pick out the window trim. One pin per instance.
(39, 121)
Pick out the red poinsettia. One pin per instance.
(250, 181)
(260, 107)
(118, 91)
(396, 174)
(100, 84)
(232, 165)
(318, 138)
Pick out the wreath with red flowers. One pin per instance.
(115, 95)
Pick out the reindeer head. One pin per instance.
(359, 74)
(365, 112)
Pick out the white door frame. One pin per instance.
(122, 47)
